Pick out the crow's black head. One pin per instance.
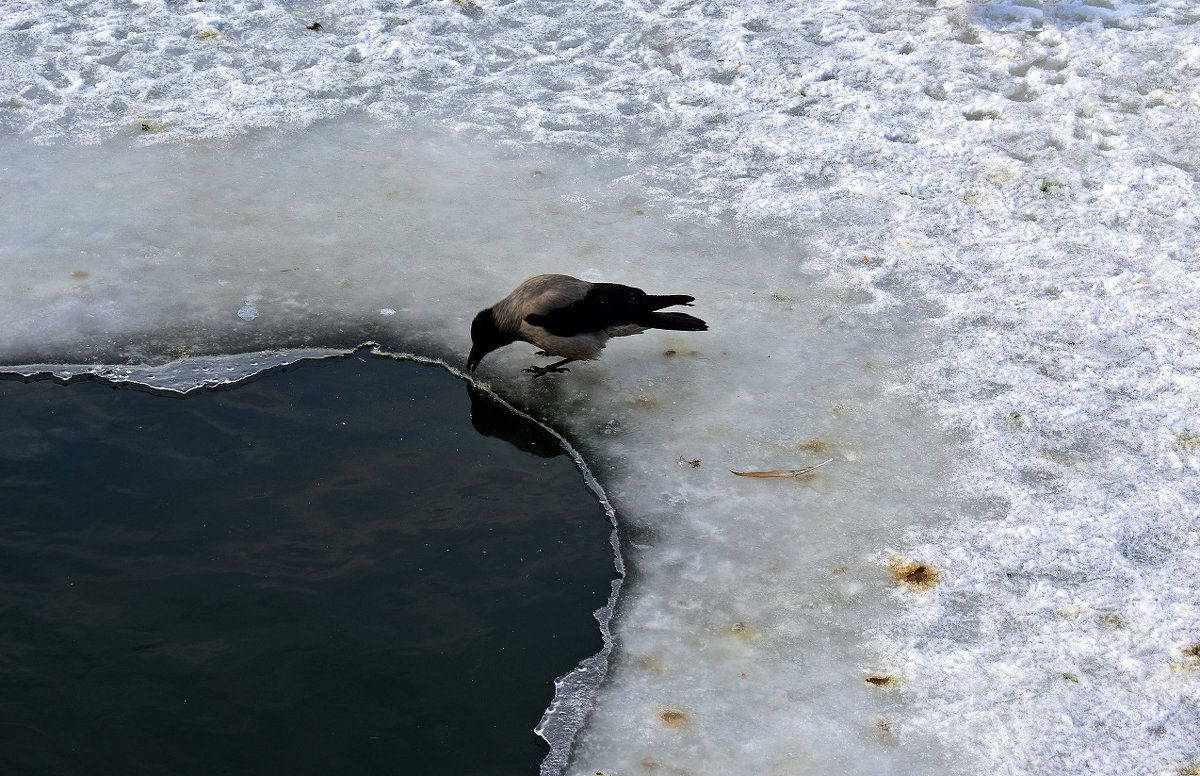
(485, 337)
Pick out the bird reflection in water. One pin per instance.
(492, 419)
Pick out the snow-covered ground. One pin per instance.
(953, 246)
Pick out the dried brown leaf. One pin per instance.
(781, 472)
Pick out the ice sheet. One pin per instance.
(993, 204)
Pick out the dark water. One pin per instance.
(324, 570)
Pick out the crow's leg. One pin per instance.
(557, 367)
(542, 354)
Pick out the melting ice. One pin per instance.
(952, 247)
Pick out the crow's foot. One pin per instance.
(538, 371)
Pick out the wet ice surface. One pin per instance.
(991, 215)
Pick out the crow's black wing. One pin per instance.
(606, 304)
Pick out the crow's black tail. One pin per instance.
(673, 321)
(659, 302)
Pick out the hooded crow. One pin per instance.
(572, 318)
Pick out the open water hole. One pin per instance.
(340, 567)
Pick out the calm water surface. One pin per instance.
(323, 570)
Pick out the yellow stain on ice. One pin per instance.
(916, 576)
(744, 632)
(674, 717)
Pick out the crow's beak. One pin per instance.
(473, 360)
